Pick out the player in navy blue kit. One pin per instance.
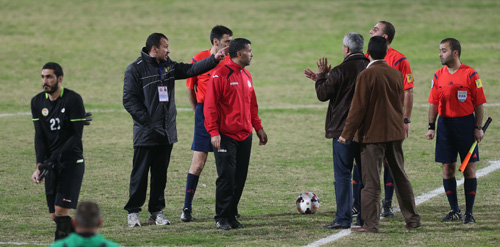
(58, 117)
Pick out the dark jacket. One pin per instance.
(338, 87)
(154, 121)
(376, 113)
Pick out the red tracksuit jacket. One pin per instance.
(230, 103)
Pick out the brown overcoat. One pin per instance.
(376, 113)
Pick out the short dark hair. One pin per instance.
(219, 31)
(88, 215)
(154, 40)
(454, 45)
(389, 30)
(377, 47)
(238, 45)
(55, 67)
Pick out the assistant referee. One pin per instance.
(457, 95)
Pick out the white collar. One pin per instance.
(376, 60)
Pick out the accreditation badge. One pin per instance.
(462, 96)
(163, 93)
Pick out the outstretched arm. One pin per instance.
(184, 71)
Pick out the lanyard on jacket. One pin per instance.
(162, 90)
(161, 74)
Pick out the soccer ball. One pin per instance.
(307, 203)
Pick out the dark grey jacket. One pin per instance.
(338, 87)
(154, 121)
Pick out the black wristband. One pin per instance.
(432, 126)
(407, 121)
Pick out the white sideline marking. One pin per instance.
(290, 107)
(21, 243)
(14, 114)
(29, 113)
(495, 165)
(178, 109)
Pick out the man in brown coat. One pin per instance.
(376, 117)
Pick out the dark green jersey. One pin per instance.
(58, 126)
(74, 240)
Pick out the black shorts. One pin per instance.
(455, 136)
(62, 185)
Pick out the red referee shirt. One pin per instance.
(456, 94)
(201, 81)
(398, 61)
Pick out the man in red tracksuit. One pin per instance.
(231, 113)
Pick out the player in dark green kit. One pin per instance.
(58, 117)
(87, 221)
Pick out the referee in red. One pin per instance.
(220, 37)
(457, 96)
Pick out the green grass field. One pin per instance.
(95, 41)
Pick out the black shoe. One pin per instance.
(452, 216)
(336, 225)
(235, 224)
(237, 216)
(469, 219)
(223, 224)
(387, 209)
(356, 224)
(186, 215)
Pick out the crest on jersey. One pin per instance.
(409, 78)
(479, 84)
(462, 96)
(45, 112)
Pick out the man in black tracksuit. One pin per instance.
(58, 117)
(148, 95)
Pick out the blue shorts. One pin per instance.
(201, 140)
(455, 135)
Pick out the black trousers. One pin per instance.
(232, 168)
(156, 159)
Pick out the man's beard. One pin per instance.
(51, 89)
